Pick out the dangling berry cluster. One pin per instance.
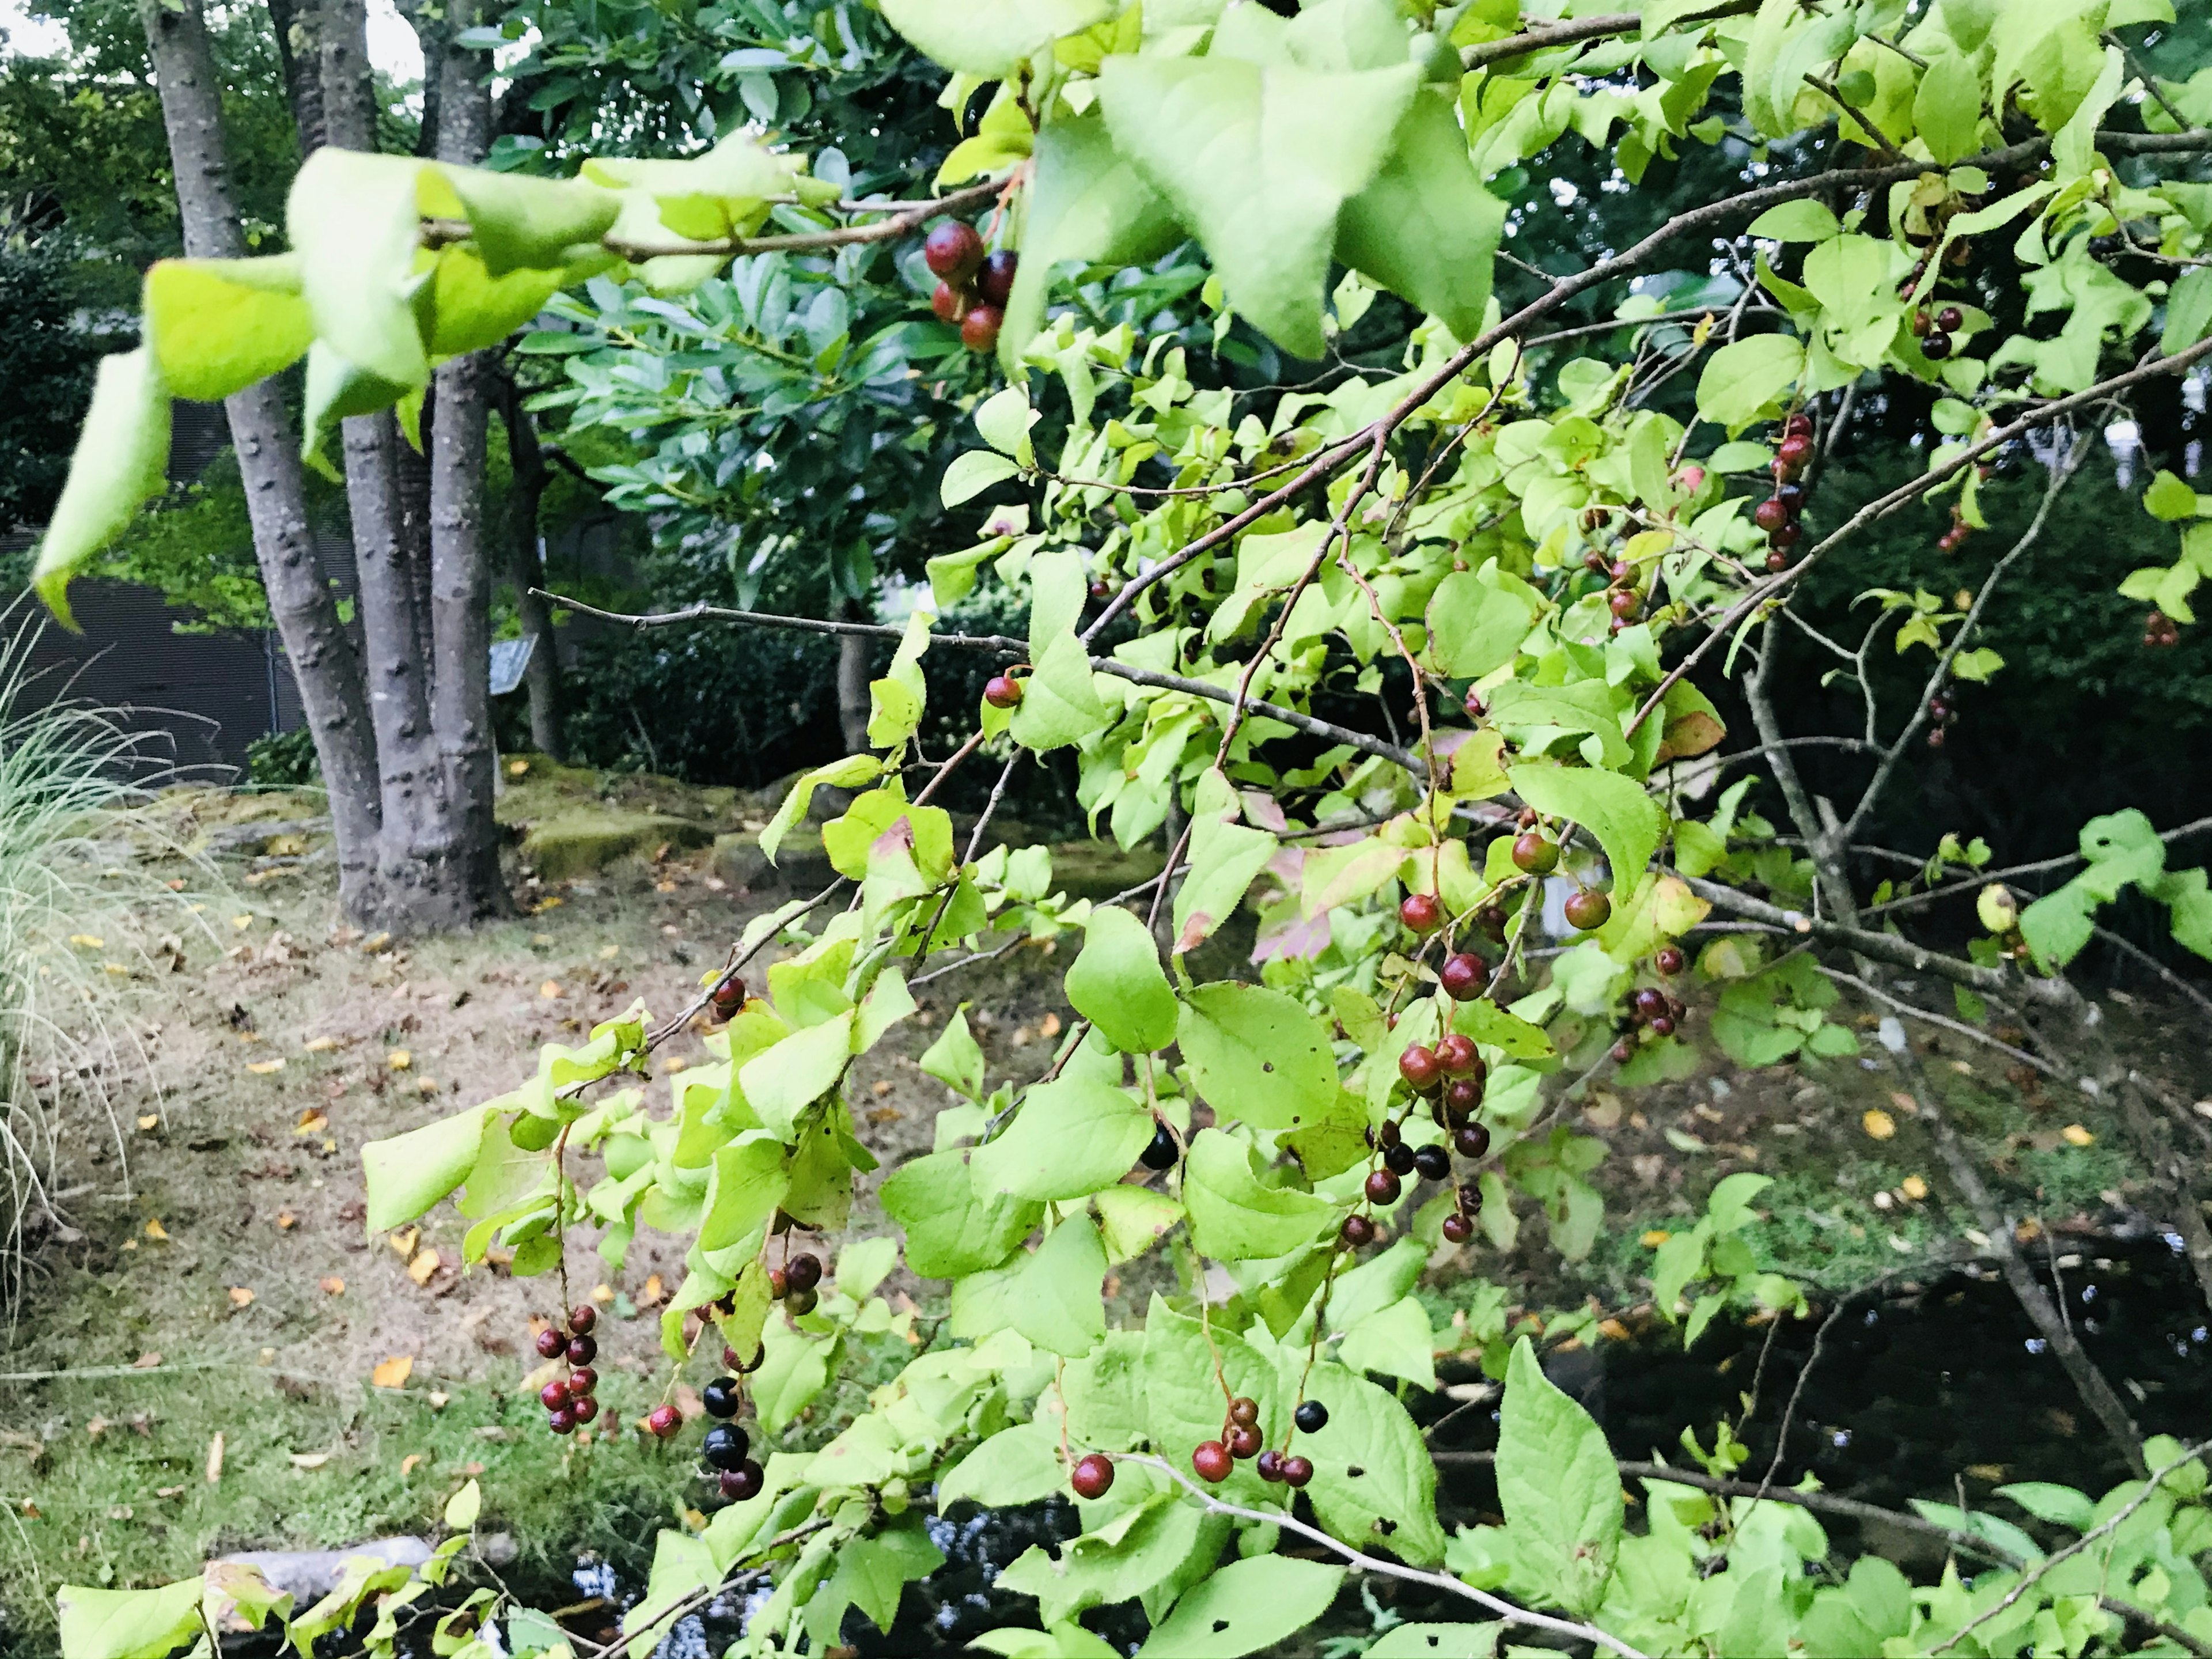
(793, 1283)
(1651, 1009)
(728, 1449)
(976, 286)
(1777, 515)
(570, 1400)
(2161, 632)
(1941, 713)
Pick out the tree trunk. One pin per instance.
(525, 570)
(321, 653)
(301, 62)
(855, 654)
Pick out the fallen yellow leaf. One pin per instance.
(155, 1229)
(550, 990)
(314, 1122)
(404, 1243)
(333, 1285)
(241, 1297)
(673, 1062)
(87, 941)
(319, 1045)
(286, 1221)
(119, 970)
(264, 1067)
(424, 1264)
(652, 1292)
(516, 769)
(151, 1121)
(2075, 1135)
(1914, 1188)
(1615, 1329)
(375, 943)
(1048, 1027)
(215, 1459)
(242, 922)
(1878, 1124)
(308, 1460)
(393, 1372)
(399, 1060)
(603, 1292)
(551, 901)
(608, 952)
(408, 1464)
(1655, 1238)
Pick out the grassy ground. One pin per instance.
(209, 1277)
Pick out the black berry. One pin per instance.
(1162, 1152)
(724, 1447)
(1311, 1417)
(721, 1397)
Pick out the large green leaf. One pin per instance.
(1626, 822)
(121, 461)
(111, 1624)
(1747, 380)
(952, 1227)
(1246, 1606)
(989, 36)
(1948, 108)
(780, 1082)
(1258, 1055)
(1019, 1465)
(1426, 227)
(1059, 701)
(1071, 1138)
(1259, 163)
(1130, 1555)
(1118, 985)
(521, 220)
(469, 308)
(337, 389)
(406, 1174)
(1473, 628)
(1373, 1485)
(1233, 1217)
(1087, 202)
(353, 220)
(1051, 1296)
(873, 1573)
(1559, 1488)
(218, 325)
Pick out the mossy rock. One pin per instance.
(577, 841)
(801, 862)
(1099, 869)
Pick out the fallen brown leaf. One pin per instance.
(393, 1372)
(241, 1297)
(286, 1221)
(424, 1264)
(333, 1285)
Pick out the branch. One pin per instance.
(1944, 1023)
(2137, 954)
(1875, 947)
(1007, 646)
(1289, 1522)
(1981, 878)
(1582, 29)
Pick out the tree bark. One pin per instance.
(301, 62)
(542, 674)
(322, 654)
(854, 654)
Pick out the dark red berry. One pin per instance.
(1950, 319)
(1464, 976)
(1593, 561)
(1491, 920)
(1625, 604)
(1462, 1095)
(1669, 960)
(551, 1344)
(1935, 739)
(1420, 1068)
(583, 1349)
(584, 1409)
(1798, 426)
(1791, 495)
(1620, 1052)
(1475, 706)
(1786, 537)
(1936, 347)
(1270, 1465)
(1920, 325)
(1357, 1231)
(1663, 1025)
(1311, 1417)
(1457, 1229)
(1243, 1410)
(995, 283)
(1434, 1163)
(582, 1380)
(949, 302)
(563, 1421)
(1003, 691)
(1471, 1142)
(778, 1284)
(662, 1421)
(979, 328)
(1536, 853)
(953, 250)
(554, 1395)
(1456, 1054)
(1470, 1200)
(1796, 451)
(803, 1271)
(1388, 1135)
(1297, 1471)
(1243, 1441)
(744, 1482)
(1587, 910)
(1771, 514)
(1163, 1151)
(1421, 913)
(1777, 562)
(728, 1000)
(1092, 1476)
(1382, 1186)
(1211, 1461)
(721, 1397)
(1399, 1159)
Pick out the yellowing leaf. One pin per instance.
(399, 1060)
(2075, 1135)
(424, 1264)
(1655, 1238)
(312, 1122)
(321, 1045)
(404, 1243)
(151, 1120)
(241, 1297)
(652, 1292)
(1878, 1124)
(155, 1229)
(393, 1372)
(242, 922)
(86, 941)
(1914, 1188)
(517, 768)
(264, 1067)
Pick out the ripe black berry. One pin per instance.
(1163, 1151)
(1311, 1417)
(1399, 1159)
(1472, 1142)
(1457, 1229)
(1936, 347)
(1357, 1231)
(1950, 319)
(725, 1446)
(1434, 1163)
(1270, 1466)
(1297, 1471)
(995, 283)
(1093, 1476)
(744, 1482)
(1461, 1095)
(721, 1397)
(1382, 1186)
(803, 1271)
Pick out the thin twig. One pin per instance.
(1944, 1022)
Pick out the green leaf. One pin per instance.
(2169, 499)
(1086, 203)
(954, 1059)
(1059, 702)
(1475, 629)
(1132, 1219)
(1947, 111)
(1801, 221)
(1748, 380)
(1258, 163)
(847, 773)
(952, 1227)
(989, 36)
(407, 1174)
(335, 389)
(2062, 1506)
(464, 1506)
(353, 220)
(1390, 1503)
(1493, 1026)
(1118, 985)
(121, 460)
(1437, 1642)
(1425, 228)
(2188, 310)
(1559, 1488)
(1018, 1465)
(748, 1180)
(972, 473)
(873, 1573)
(218, 325)
(1257, 1055)
(469, 308)
(111, 1624)
(1072, 1137)
(1235, 1217)
(1396, 1341)
(1626, 822)
(1052, 1297)
(1140, 1550)
(1246, 1605)
(1225, 858)
(521, 220)
(783, 1080)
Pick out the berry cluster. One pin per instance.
(793, 1283)
(975, 287)
(1652, 1009)
(1941, 714)
(1933, 330)
(2160, 631)
(728, 1449)
(1240, 1439)
(1623, 594)
(569, 1400)
(1777, 515)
